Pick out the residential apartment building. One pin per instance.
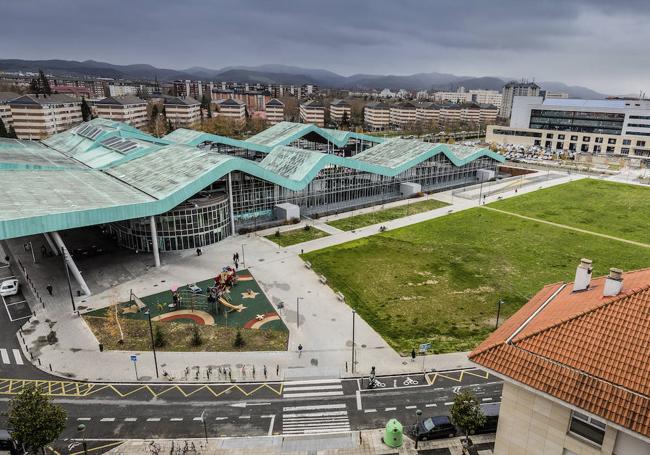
(607, 127)
(553, 95)
(450, 114)
(274, 111)
(402, 114)
(232, 109)
(491, 97)
(194, 89)
(462, 96)
(128, 109)
(489, 113)
(122, 90)
(427, 113)
(5, 109)
(376, 116)
(39, 116)
(340, 109)
(459, 96)
(312, 111)
(575, 364)
(513, 89)
(183, 112)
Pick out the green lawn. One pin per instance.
(605, 207)
(440, 280)
(296, 236)
(381, 216)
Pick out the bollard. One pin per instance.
(264, 371)
(50, 367)
(39, 361)
(346, 366)
(277, 370)
(31, 355)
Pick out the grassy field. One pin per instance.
(380, 216)
(605, 207)
(296, 236)
(440, 280)
(179, 337)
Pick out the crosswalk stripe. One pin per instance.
(107, 419)
(312, 394)
(318, 430)
(301, 421)
(312, 387)
(17, 356)
(5, 356)
(313, 381)
(311, 426)
(317, 414)
(131, 419)
(314, 408)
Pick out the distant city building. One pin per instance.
(575, 364)
(194, 89)
(122, 90)
(512, 89)
(75, 92)
(595, 127)
(338, 109)
(312, 111)
(427, 113)
(492, 97)
(386, 93)
(39, 116)
(255, 100)
(5, 109)
(450, 114)
(232, 109)
(127, 109)
(553, 95)
(459, 96)
(274, 111)
(462, 96)
(376, 116)
(402, 114)
(182, 111)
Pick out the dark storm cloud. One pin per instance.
(585, 42)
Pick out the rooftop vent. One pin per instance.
(613, 282)
(583, 275)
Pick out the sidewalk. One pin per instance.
(325, 322)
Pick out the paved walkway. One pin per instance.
(325, 329)
(571, 228)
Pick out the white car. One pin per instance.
(9, 287)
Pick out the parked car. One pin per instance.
(491, 411)
(9, 287)
(433, 428)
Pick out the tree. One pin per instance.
(44, 83)
(197, 339)
(3, 130)
(86, 113)
(159, 337)
(466, 413)
(239, 340)
(34, 420)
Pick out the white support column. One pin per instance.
(154, 241)
(71, 265)
(230, 202)
(53, 247)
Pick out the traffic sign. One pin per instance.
(134, 358)
(424, 347)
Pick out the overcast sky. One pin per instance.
(602, 44)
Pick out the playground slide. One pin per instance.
(225, 303)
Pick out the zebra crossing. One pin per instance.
(5, 358)
(313, 388)
(313, 419)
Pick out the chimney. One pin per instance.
(613, 282)
(583, 275)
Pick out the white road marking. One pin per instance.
(390, 409)
(314, 408)
(430, 405)
(5, 356)
(449, 403)
(313, 381)
(153, 419)
(83, 419)
(410, 407)
(197, 419)
(370, 410)
(312, 387)
(107, 419)
(131, 419)
(359, 406)
(17, 356)
(486, 399)
(244, 417)
(221, 418)
(317, 414)
(312, 394)
(271, 424)
(176, 419)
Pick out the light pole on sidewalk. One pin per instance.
(67, 274)
(418, 413)
(353, 341)
(81, 428)
(298, 299)
(243, 256)
(153, 346)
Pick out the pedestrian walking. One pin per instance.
(237, 256)
(299, 350)
(277, 370)
(413, 355)
(49, 288)
(43, 251)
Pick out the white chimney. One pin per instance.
(583, 275)
(613, 282)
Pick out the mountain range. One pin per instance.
(279, 74)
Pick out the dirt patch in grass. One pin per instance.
(178, 336)
(295, 236)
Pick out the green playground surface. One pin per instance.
(246, 292)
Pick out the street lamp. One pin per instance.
(354, 313)
(67, 274)
(501, 302)
(153, 346)
(418, 413)
(243, 255)
(298, 299)
(81, 428)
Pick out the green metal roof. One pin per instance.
(44, 189)
(285, 133)
(194, 138)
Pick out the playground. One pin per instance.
(228, 302)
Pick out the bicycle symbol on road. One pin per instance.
(410, 381)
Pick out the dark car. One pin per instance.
(491, 411)
(433, 428)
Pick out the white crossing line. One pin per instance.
(410, 407)
(430, 405)
(449, 403)
(83, 419)
(221, 418)
(131, 419)
(176, 419)
(370, 410)
(197, 419)
(153, 419)
(17, 356)
(5, 356)
(244, 417)
(314, 408)
(297, 426)
(359, 405)
(317, 414)
(312, 394)
(390, 409)
(311, 387)
(486, 399)
(318, 430)
(313, 381)
(107, 419)
(314, 420)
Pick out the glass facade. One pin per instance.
(195, 223)
(578, 121)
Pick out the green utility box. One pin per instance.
(393, 437)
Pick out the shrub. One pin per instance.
(196, 340)
(239, 340)
(159, 337)
(277, 233)
(307, 227)
(295, 220)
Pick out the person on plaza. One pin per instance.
(49, 288)
(43, 251)
(299, 350)
(413, 355)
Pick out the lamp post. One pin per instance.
(67, 274)
(153, 346)
(418, 413)
(298, 299)
(354, 313)
(501, 302)
(81, 428)
(243, 255)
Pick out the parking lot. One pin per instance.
(16, 306)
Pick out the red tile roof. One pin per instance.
(585, 349)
